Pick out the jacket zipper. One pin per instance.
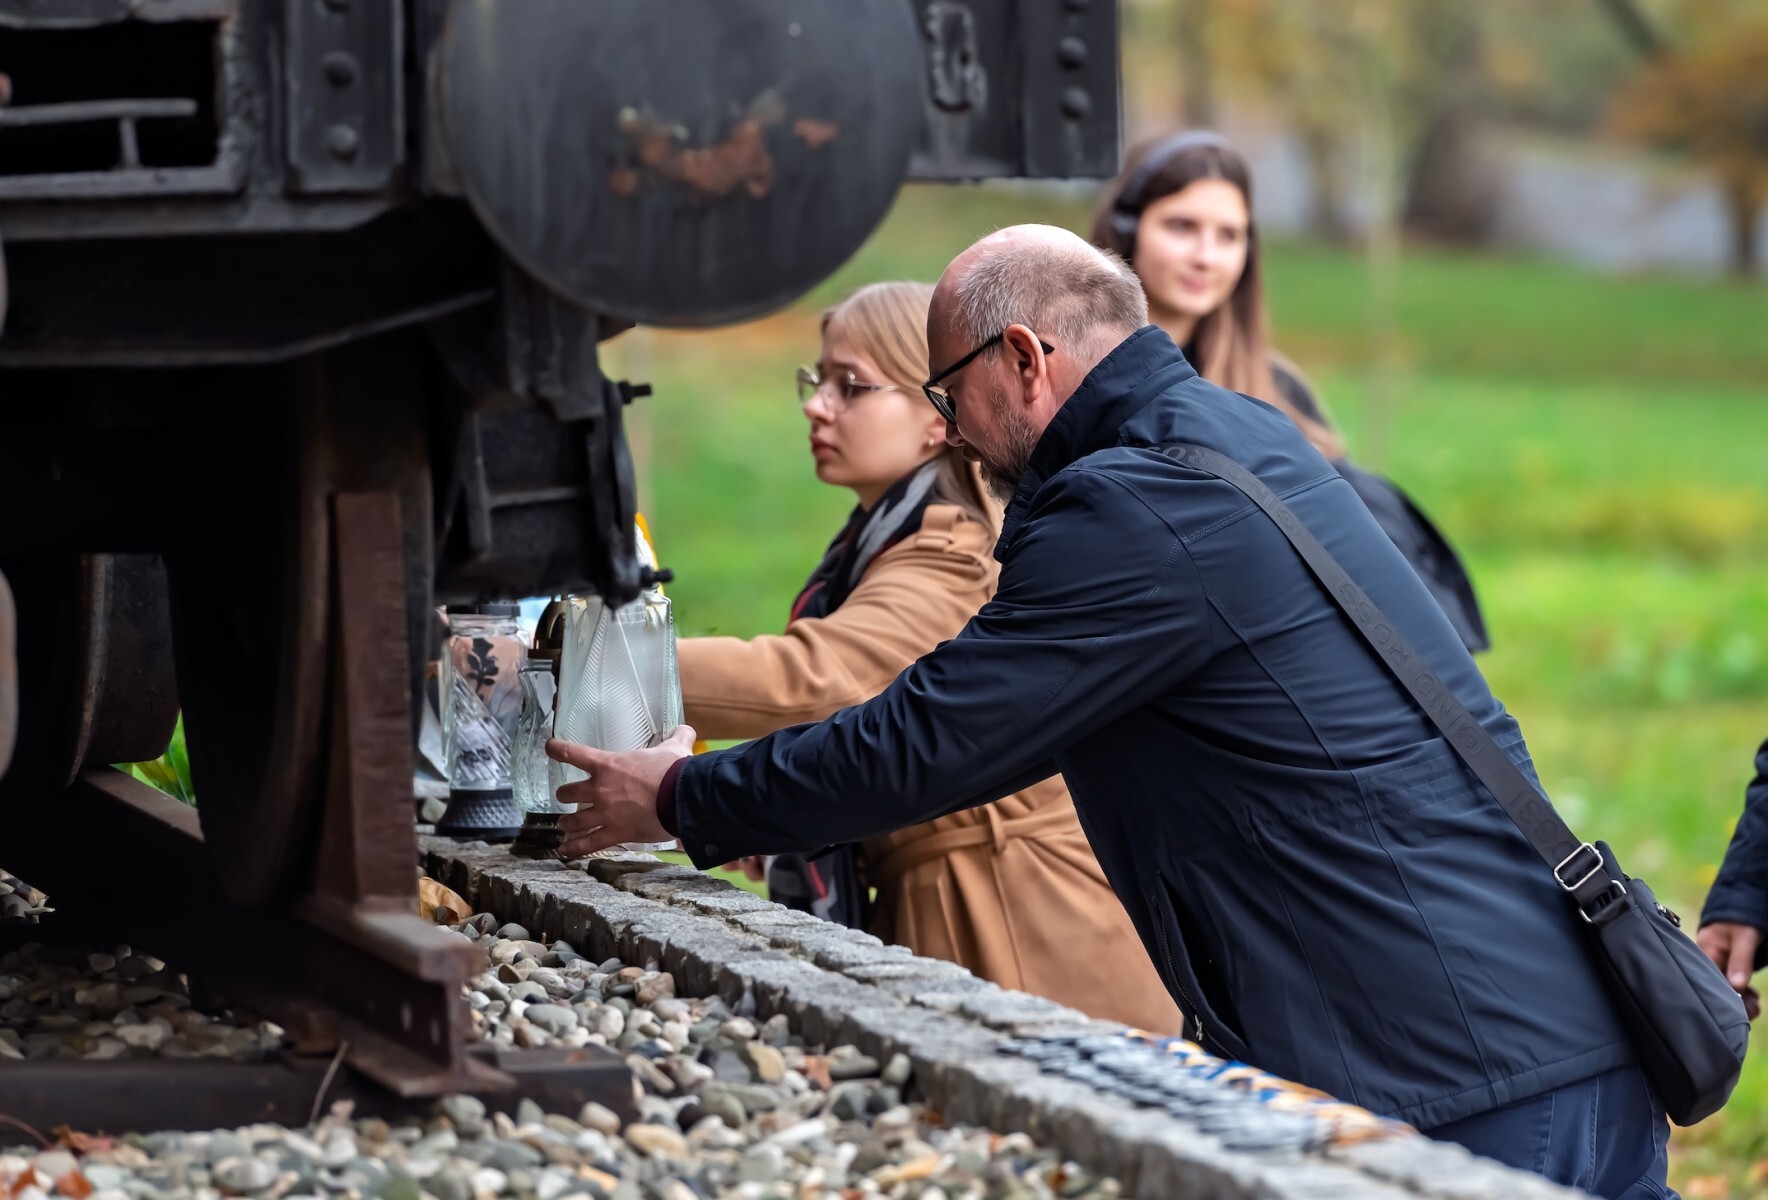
(1192, 1011)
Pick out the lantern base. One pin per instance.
(488, 814)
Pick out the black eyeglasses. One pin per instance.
(846, 387)
(940, 399)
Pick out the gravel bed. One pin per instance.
(727, 1106)
(76, 1004)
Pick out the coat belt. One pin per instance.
(997, 830)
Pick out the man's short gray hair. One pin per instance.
(1076, 296)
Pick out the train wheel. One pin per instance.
(93, 669)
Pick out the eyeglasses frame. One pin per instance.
(941, 400)
(809, 376)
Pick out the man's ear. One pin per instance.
(1024, 352)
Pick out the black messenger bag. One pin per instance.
(1687, 1024)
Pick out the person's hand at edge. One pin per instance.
(1732, 946)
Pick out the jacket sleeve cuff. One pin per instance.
(666, 799)
(675, 809)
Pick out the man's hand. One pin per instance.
(618, 802)
(1733, 947)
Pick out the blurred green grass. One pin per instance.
(1597, 446)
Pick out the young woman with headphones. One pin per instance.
(1180, 214)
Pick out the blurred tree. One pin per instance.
(1703, 90)
(1306, 61)
(1192, 28)
(1350, 79)
(1320, 62)
(1637, 28)
(1451, 191)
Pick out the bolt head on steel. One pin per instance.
(340, 68)
(343, 141)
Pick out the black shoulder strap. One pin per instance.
(1574, 862)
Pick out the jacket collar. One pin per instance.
(1141, 367)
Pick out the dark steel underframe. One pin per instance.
(348, 964)
(387, 982)
(379, 984)
(384, 984)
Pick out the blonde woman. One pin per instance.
(1010, 890)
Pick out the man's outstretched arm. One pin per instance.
(1099, 610)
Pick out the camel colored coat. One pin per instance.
(1010, 890)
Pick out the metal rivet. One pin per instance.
(342, 141)
(340, 68)
(1071, 51)
(1076, 103)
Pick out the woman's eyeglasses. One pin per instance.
(845, 387)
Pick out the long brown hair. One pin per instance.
(1232, 344)
(888, 322)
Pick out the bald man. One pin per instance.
(1325, 889)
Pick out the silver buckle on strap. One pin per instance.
(1559, 872)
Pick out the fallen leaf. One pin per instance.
(83, 1143)
(438, 903)
(74, 1184)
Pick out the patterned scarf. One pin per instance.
(865, 536)
(829, 884)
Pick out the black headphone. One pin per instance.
(1126, 210)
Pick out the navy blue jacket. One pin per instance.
(1740, 893)
(1324, 887)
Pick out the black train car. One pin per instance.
(305, 301)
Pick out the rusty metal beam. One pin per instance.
(368, 841)
(143, 1095)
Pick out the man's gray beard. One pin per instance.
(1002, 473)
